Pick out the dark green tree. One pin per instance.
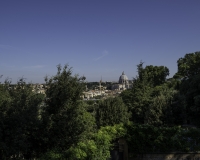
(126, 96)
(151, 96)
(156, 74)
(111, 111)
(65, 118)
(188, 66)
(160, 110)
(190, 91)
(188, 76)
(140, 99)
(20, 121)
(150, 139)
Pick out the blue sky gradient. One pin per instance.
(95, 37)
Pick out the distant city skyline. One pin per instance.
(96, 38)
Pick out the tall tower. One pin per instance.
(86, 87)
(100, 85)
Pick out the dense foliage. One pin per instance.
(111, 111)
(59, 125)
(20, 121)
(150, 139)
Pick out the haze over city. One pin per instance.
(96, 38)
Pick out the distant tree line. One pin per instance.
(59, 125)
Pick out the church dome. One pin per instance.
(123, 79)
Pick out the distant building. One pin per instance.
(122, 84)
(39, 88)
(102, 90)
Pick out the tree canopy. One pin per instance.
(111, 111)
(60, 125)
(188, 66)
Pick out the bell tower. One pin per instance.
(100, 85)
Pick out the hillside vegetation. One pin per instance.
(156, 115)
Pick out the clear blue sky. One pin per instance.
(95, 37)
